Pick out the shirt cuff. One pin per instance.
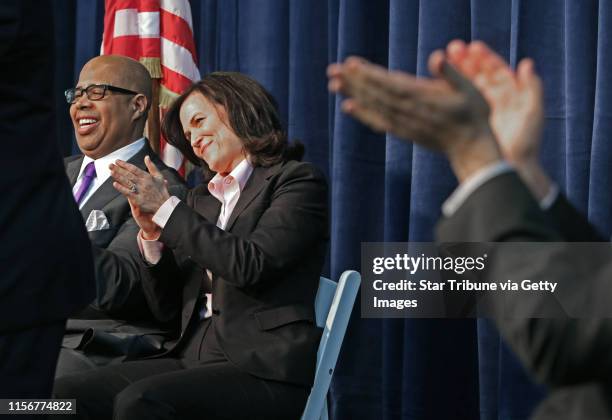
(470, 185)
(550, 197)
(161, 217)
(151, 250)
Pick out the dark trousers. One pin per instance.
(27, 361)
(72, 361)
(201, 384)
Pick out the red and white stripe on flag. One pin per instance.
(158, 33)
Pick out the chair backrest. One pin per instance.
(323, 301)
(333, 307)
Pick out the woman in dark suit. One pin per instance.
(237, 264)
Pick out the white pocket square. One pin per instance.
(96, 221)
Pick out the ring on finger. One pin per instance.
(133, 188)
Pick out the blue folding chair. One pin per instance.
(333, 306)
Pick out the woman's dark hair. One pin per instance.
(252, 114)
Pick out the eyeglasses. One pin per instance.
(94, 92)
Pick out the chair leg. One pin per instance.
(324, 412)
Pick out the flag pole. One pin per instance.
(153, 120)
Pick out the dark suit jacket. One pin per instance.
(573, 356)
(266, 268)
(45, 260)
(118, 318)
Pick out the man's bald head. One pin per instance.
(123, 72)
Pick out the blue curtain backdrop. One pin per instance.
(383, 189)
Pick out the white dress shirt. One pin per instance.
(102, 171)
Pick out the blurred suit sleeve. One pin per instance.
(571, 223)
(558, 351)
(46, 269)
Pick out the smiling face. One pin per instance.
(112, 122)
(206, 128)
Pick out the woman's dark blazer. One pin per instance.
(266, 267)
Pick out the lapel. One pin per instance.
(255, 184)
(207, 206)
(107, 193)
(72, 170)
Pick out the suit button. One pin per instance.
(215, 311)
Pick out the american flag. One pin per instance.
(158, 33)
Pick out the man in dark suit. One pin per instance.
(108, 110)
(497, 202)
(46, 268)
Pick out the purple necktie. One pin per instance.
(90, 174)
